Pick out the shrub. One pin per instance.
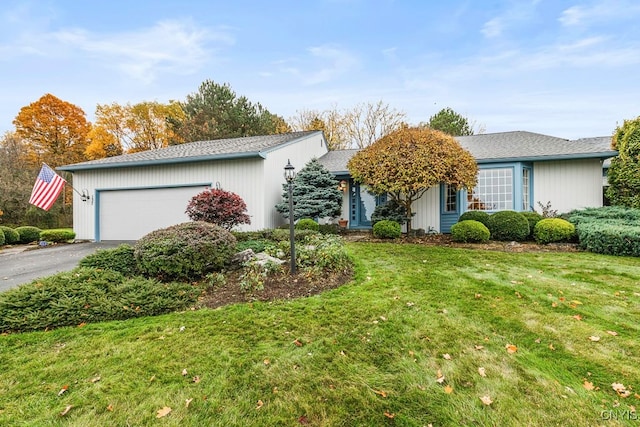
(329, 229)
(480, 216)
(120, 259)
(87, 295)
(2, 238)
(391, 210)
(319, 253)
(307, 224)
(57, 235)
(533, 218)
(508, 225)
(28, 233)
(610, 214)
(611, 239)
(186, 251)
(387, 229)
(470, 231)
(256, 246)
(223, 208)
(282, 235)
(550, 230)
(11, 236)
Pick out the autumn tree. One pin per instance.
(450, 122)
(102, 143)
(219, 207)
(329, 121)
(215, 112)
(624, 172)
(315, 193)
(54, 131)
(406, 163)
(139, 127)
(367, 122)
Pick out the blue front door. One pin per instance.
(361, 205)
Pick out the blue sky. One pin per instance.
(565, 68)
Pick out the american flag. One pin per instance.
(47, 188)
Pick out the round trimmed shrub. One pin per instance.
(470, 231)
(120, 259)
(28, 233)
(307, 224)
(11, 236)
(551, 230)
(480, 216)
(508, 226)
(2, 238)
(533, 218)
(57, 235)
(186, 251)
(387, 229)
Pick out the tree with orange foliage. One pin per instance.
(407, 162)
(54, 131)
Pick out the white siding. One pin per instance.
(427, 210)
(568, 184)
(299, 153)
(244, 177)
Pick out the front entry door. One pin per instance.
(362, 203)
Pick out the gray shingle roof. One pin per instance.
(251, 146)
(507, 147)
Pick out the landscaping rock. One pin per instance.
(241, 257)
(263, 259)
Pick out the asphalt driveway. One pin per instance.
(20, 265)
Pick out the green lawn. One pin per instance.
(401, 345)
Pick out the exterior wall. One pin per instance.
(244, 177)
(568, 184)
(427, 210)
(298, 153)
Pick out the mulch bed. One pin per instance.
(285, 287)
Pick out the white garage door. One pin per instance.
(130, 214)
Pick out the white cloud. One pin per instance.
(512, 16)
(492, 28)
(598, 12)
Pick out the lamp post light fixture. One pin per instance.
(289, 175)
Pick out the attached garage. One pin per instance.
(128, 214)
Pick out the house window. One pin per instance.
(450, 199)
(526, 189)
(494, 191)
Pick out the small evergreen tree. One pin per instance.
(223, 208)
(624, 173)
(315, 193)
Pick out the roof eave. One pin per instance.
(150, 162)
(599, 155)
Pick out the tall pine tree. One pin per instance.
(315, 193)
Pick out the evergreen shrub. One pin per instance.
(307, 224)
(387, 229)
(120, 259)
(480, 216)
(508, 226)
(391, 210)
(28, 233)
(57, 235)
(551, 230)
(2, 238)
(11, 236)
(533, 218)
(470, 231)
(186, 251)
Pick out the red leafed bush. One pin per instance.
(223, 208)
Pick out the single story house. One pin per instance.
(517, 170)
(125, 197)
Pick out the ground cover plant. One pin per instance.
(422, 335)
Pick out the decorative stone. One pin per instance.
(242, 257)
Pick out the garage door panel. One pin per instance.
(130, 214)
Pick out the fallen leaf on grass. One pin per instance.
(614, 333)
(95, 379)
(482, 372)
(266, 361)
(511, 348)
(196, 379)
(446, 356)
(588, 385)
(440, 377)
(184, 373)
(551, 347)
(577, 317)
(621, 390)
(63, 390)
(303, 420)
(110, 408)
(448, 389)
(594, 338)
(82, 325)
(478, 347)
(163, 412)
(486, 400)
(297, 343)
(260, 404)
(187, 402)
(554, 304)
(380, 393)
(66, 410)
(389, 415)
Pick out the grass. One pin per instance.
(365, 354)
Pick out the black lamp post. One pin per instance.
(289, 175)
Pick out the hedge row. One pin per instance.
(612, 230)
